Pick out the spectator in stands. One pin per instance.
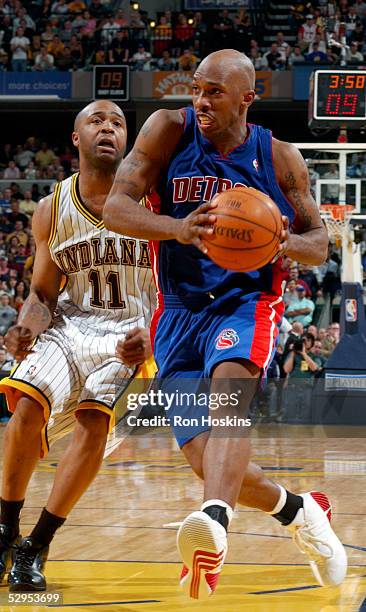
(316, 56)
(358, 34)
(307, 275)
(119, 50)
(307, 32)
(100, 57)
(30, 171)
(243, 32)
(8, 314)
(76, 6)
(45, 155)
(300, 366)
(4, 270)
(19, 46)
(44, 60)
(360, 6)
(4, 60)
(120, 18)
(60, 7)
(6, 154)
(66, 61)
(301, 310)
(290, 294)
(89, 28)
(76, 50)
(97, 9)
(332, 190)
(274, 58)
(353, 54)
(6, 363)
(256, 58)
(56, 47)
(19, 233)
(282, 46)
(78, 23)
(317, 351)
(47, 35)
(312, 329)
(15, 215)
(28, 206)
(199, 25)
(12, 171)
(223, 30)
(23, 156)
(23, 19)
(141, 59)
(166, 62)
(187, 61)
(6, 29)
(66, 32)
(109, 30)
(296, 57)
(294, 274)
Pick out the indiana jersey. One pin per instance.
(109, 278)
(196, 172)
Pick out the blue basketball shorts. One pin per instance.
(189, 344)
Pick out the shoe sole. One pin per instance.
(199, 553)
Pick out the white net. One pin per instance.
(337, 218)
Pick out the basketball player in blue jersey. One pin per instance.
(68, 376)
(211, 322)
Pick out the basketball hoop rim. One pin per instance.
(339, 212)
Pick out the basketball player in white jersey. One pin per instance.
(68, 375)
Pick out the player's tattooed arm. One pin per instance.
(38, 308)
(138, 175)
(308, 243)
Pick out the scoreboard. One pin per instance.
(111, 82)
(338, 99)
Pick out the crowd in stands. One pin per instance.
(44, 35)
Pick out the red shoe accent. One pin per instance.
(212, 580)
(184, 572)
(206, 561)
(323, 502)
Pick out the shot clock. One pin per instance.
(337, 99)
(111, 82)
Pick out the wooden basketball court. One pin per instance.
(114, 553)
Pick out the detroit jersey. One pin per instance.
(196, 172)
(109, 280)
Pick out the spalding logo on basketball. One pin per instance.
(247, 231)
(227, 338)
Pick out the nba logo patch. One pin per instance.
(351, 310)
(226, 339)
(32, 370)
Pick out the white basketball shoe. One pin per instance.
(314, 536)
(202, 543)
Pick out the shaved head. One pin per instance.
(97, 106)
(229, 62)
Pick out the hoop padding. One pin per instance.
(337, 218)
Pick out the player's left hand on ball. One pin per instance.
(285, 235)
(135, 348)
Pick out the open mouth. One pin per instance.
(106, 143)
(204, 121)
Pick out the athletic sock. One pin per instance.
(46, 528)
(10, 514)
(287, 506)
(219, 511)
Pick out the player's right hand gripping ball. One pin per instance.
(247, 232)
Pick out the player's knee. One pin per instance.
(28, 416)
(92, 425)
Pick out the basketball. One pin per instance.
(247, 230)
